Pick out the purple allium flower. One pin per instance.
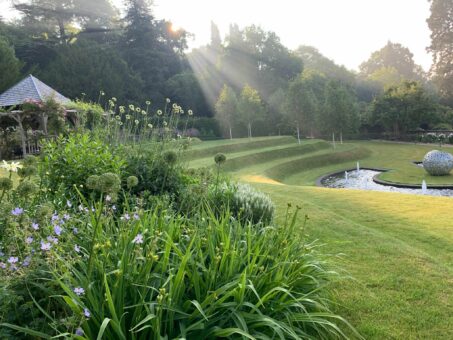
(57, 229)
(79, 332)
(13, 260)
(29, 240)
(2, 265)
(77, 248)
(138, 239)
(45, 246)
(75, 231)
(17, 211)
(35, 226)
(79, 291)
(86, 312)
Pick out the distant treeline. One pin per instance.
(249, 81)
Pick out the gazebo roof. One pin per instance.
(30, 88)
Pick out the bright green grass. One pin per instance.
(397, 249)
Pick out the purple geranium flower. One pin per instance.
(35, 226)
(79, 332)
(86, 312)
(77, 248)
(79, 291)
(138, 239)
(17, 211)
(13, 260)
(57, 229)
(2, 265)
(29, 240)
(45, 246)
(125, 217)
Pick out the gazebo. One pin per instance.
(28, 90)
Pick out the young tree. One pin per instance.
(301, 106)
(250, 107)
(441, 24)
(339, 114)
(226, 108)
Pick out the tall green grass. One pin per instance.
(206, 278)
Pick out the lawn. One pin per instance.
(395, 250)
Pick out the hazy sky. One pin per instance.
(347, 31)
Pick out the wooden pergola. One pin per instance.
(29, 89)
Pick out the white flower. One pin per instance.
(12, 167)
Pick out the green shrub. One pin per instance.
(68, 162)
(157, 172)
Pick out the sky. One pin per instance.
(347, 31)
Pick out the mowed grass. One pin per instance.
(395, 251)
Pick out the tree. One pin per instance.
(216, 40)
(314, 60)
(250, 107)
(88, 67)
(393, 56)
(302, 106)
(339, 113)
(58, 18)
(226, 108)
(150, 49)
(404, 107)
(9, 65)
(441, 25)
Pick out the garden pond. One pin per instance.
(363, 179)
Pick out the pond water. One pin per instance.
(363, 180)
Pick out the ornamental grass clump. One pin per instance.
(152, 275)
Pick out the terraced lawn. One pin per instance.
(395, 251)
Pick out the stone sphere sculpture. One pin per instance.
(438, 163)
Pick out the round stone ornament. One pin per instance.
(438, 163)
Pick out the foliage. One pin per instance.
(67, 162)
(403, 107)
(393, 57)
(339, 113)
(204, 278)
(440, 23)
(250, 108)
(9, 65)
(226, 109)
